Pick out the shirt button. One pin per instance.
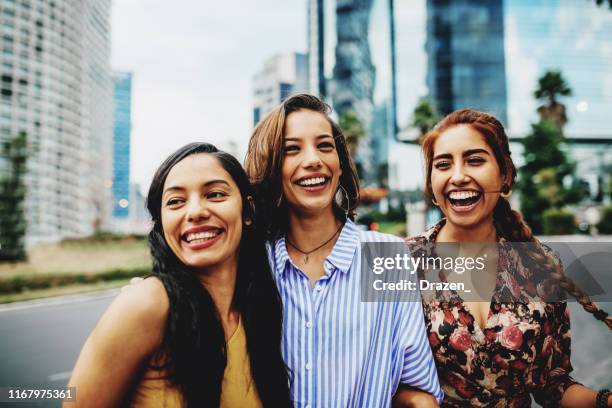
(309, 324)
(308, 366)
(319, 288)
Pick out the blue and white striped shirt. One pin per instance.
(344, 352)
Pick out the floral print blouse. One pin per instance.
(523, 350)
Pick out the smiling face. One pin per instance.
(311, 166)
(201, 212)
(463, 169)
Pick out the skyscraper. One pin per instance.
(282, 75)
(465, 48)
(351, 46)
(57, 88)
(121, 144)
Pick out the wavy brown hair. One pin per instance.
(509, 222)
(265, 156)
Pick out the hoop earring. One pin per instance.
(348, 201)
(433, 200)
(279, 202)
(506, 191)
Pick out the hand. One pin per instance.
(408, 397)
(133, 281)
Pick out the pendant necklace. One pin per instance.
(306, 253)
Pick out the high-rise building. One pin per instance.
(56, 87)
(351, 45)
(121, 144)
(465, 48)
(282, 75)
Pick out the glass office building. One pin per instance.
(121, 144)
(465, 54)
(350, 50)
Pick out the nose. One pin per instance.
(311, 158)
(459, 176)
(197, 210)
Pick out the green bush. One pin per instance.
(32, 282)
(558, 222)
(605, 224)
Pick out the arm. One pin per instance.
(578, 396)
(408, 397)
(419, 369)
(553, 361)
(129, 332)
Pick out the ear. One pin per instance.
(507, 180)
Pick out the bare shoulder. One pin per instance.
(140, 313)
(146, 301)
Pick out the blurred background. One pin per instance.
(95, 94)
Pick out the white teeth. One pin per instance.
(311, 181)
(462, 195)
(201, 236)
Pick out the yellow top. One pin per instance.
(237, 390)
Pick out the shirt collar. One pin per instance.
(341, 256)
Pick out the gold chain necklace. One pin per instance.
(306, 253)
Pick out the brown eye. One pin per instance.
(174, 202)
(326, 146)
(476, 160)
(442, 165)
(290, 149)
(216, 195)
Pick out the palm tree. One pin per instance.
(551, 86)
(352, 129)
(425, 116)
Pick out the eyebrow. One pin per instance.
(465, 154)
(296, 139)
(207, 184)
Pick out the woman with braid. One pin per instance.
(498, 353)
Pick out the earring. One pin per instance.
(348, 200)
(506, 191)
(433, 200)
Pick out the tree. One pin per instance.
(551, 86)
(12, 196)
(547, 179)
(352, 129)
(600, 2)
(425, 116)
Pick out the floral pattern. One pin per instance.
(523, 349)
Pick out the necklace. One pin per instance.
(306, 253)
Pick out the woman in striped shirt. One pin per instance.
(342, 352)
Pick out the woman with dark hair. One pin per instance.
(501, 352)
(205, 329)
(342, 351)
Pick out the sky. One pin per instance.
(192, 65)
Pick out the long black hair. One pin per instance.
(194, 340)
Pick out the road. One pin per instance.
(40, 342)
